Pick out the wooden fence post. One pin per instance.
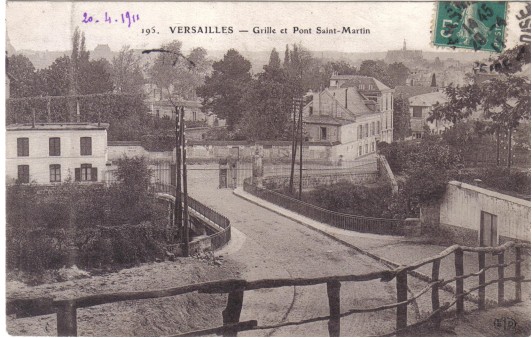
(67, 325)
(481, 281)
(518, 276)
(459, 269)
(402, 295)
(500, 299)
(231, 314)
(436, 291)
(333, 292)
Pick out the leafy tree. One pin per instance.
(397, 73)
(56, 77)
(23, 72)
(225, 87)
(95, 77)
(178, 74)
(377, 69)
(401, 118)
(275, 61)
(267, 105)
(126, 72)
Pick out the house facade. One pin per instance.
(420, 108)
(354, 113)
(51, 153)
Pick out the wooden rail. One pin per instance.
(66, 309)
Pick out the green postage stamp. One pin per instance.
(470, 25)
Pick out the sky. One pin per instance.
(48, 25)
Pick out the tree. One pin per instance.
(397, 74)
(401, 118)
(224, 89)
(177, 74)
(56, 77)
(126, 72)
(95, 77)
(275, 61)
(267, 104)
(377, 69)
(24, 76)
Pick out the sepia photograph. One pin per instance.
(285, 168)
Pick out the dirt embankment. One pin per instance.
(154, 317)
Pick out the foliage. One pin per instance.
(392, 75)
(22, 71)
(126, 72)
(505, 180)
(267, 103)
(401, 119)
(225, 87)
(73, 223)
(178, 74)
(346, 197)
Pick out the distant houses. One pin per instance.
(51, 153)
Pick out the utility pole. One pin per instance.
(186, 251)
(300, 147)
(294, 144)
(178, 207)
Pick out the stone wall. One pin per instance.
(460, 208)
(386, 173)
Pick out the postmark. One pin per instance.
(470, 25)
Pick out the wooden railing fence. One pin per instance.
(66, 309)
(382, 226)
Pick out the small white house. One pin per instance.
(421, 107)
(50, 153)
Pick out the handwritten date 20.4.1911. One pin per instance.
(126, 18)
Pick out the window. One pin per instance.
(194, 116)
(372, 128)
(55, 173)
(54, 146)
(417, 112)
(310, 110)
(365, 149)
(85, 145)
(359, 150)
(23, 146)
(378, 127)
(86, 173)
(24, 174)
(372, 146)
(366, 130)
(360, 132)
(323, 133)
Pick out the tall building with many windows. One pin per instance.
(50, 153)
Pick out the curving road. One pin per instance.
(275, 246)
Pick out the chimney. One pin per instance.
(346, 98)
(77, 111)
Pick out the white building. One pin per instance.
(421, 107)
(353, 114)
(50, 153)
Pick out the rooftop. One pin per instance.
(326, 120)
(58, 126)
(409, 91)
(428, 99)
(356, 80)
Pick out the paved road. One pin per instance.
(275, 246)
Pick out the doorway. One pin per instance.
(488, 229)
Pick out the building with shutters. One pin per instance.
(353, 114)
(51, 153)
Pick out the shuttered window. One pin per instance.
(85, 145)
(24, 173)
(86, 173)
(55, 173)
(54, 144)
(23, 146)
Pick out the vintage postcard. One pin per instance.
(267, 168)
